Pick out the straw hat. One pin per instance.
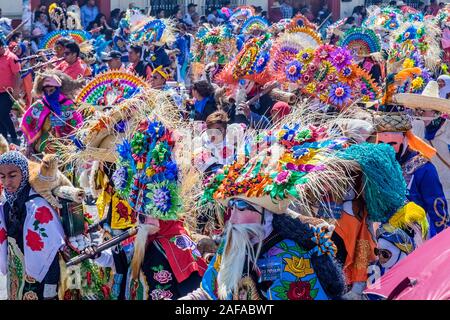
(428, 100)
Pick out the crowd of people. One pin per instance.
(175, 156)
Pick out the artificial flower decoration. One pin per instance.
(146, 175)
(410, 34)
(341, 58)
(294, 71)
(305, 56)
(340, 94)
(281, 171)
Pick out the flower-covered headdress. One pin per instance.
(214, 45)
(362, 42)
(158, 31)
(147, 174)
(254, 23)
(110, 89)
(329, 74)
(294, 164)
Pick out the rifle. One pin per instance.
(104, 246)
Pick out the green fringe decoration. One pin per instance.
(384, 185)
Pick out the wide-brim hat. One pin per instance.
(428, 100)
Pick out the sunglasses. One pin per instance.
(383, 253)
(241, 205)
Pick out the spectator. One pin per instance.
(88, 13)
(100, 20)
(195, 21)
(188, 16)
(213, 17)
(358, 15)
(41, 24)
(306, 11)
(434, 7)
(258, 10)
(205, 104)
(9, 81)
(421, 6)
(287, 11)
(323, 13)
(137, 65)
(401, 4)
(114, 21)
(178, 16)
(114, 61)
(72, 65)
(160, 14)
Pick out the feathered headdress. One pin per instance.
(409, 215)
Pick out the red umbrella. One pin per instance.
(422, 275)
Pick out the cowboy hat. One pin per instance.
(428, 100)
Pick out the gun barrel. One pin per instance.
(104, 246)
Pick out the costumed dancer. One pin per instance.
(31, 235)
(269, 252)
(379, 191)
(432, 125)
(414, 155)
(54, 114)
(163, 260)
(405, 231)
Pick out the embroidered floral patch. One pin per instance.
(43, 215)
(30, 295)
(34, 241)
(161, 293)
(161, 275)
(2, 235)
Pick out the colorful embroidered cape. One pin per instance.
(64, 124)
(285, 273)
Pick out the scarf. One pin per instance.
(180, 250)
(446, 89)
(53, 101)
(14, 208)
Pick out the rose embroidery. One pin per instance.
(30, 295)
(162, 276)
(299, 290)
(43, 215)
(2, 235)
(34, 241)
(160, 294)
